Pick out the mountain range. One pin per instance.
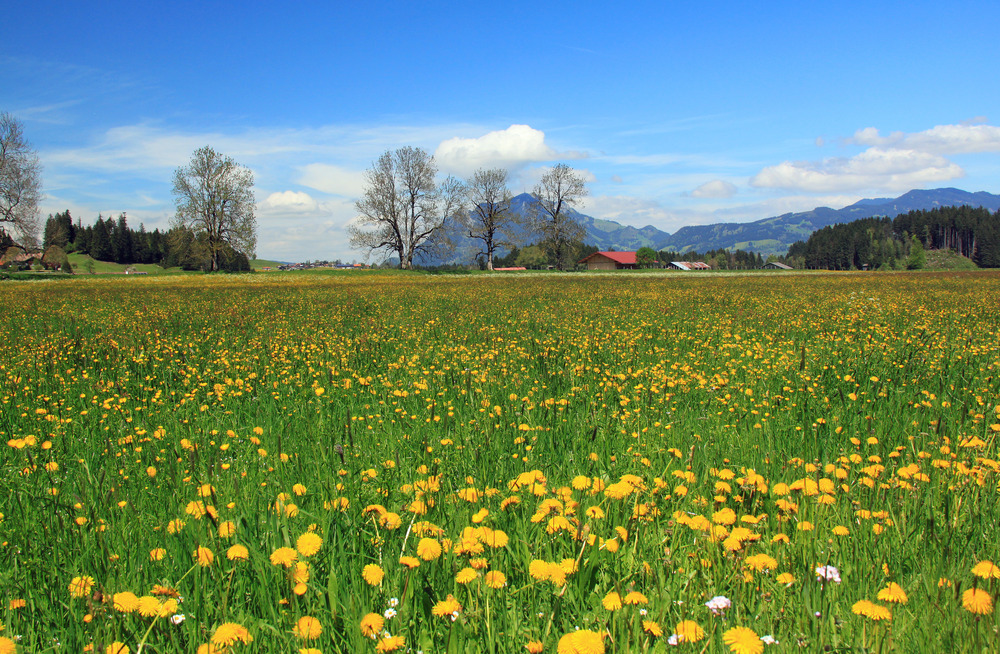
(766, 236)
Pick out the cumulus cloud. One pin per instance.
(289, 202)
(717, 188)
(941, 139)
(511, 148)
(875, 168)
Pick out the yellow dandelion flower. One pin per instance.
(495, 579)
(409, 561)
(534, 647)
(238, 553)
(466, 575)
(285, 556)
(203, 556)
(785, 578)
(7, 646)
(652, 628)
(227, 529)
(157, 554)
(116, 647)
(308, 628)
(126, 602)
(689, 631)
(372, 624)
(978, 601)
(986, 570)
(583, 641)
(230, 633)
(428, 549)
(634, 598)
(390, 644)
(149, 606)
(893, 593)
(612, 601)
(80, 586)
(308, 543)
(446, 607)
(373, 574)
(742, 640)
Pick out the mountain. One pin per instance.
(767, 236)
(774, 235)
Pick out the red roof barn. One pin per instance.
(610, 261)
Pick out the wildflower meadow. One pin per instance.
(375, 462)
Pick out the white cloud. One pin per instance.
(875, 168)
(941, 139)
(336, 180)
(511, 148)
(717, 188)
(288, 202)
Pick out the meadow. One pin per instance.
(374, 462)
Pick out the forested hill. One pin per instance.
(775, 235)
(898, 242)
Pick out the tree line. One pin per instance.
(881, 243)
(112, 239)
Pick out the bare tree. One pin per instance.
(20, 181)
(403, 210)
(489, 219)
(214, 197)
(560, 188)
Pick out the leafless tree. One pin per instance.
(559, 189)
(20, 181)
(488, 217)
(214, 197)
(403, 209)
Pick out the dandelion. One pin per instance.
(633, 598)
(893, 593)
(80, 586)
(7, 646)
(495, 579)
(583, 641)
(308, 628)
(204, 556)
(986, 570)
(466, 575)
(428, 549)
(149, 606)
(390, 644)
(786, 578)
(227, 529)
(230, 633)
(688, 631)
(373, 574)
(308, 544)
(372, 624)
(742, 640)
(978, 601)
(612, 601)
(157, 554)
(535, 646)
(409, 561)
(126, 602)
(652, 628)
(285, 556)
(238, 553)
(446, 607)
(116, 647)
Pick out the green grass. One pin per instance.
(83, 264)
(627, 414)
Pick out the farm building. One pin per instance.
(690, 265)
(610, 261)
(776, 265)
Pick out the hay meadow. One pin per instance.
(372, 462)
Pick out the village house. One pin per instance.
(610, 261)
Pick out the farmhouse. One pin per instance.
(690, 265)
(776, 265)
(610, 261)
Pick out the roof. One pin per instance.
(777, 264)
(627, 258)
(691, 265)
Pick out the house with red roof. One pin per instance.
(610, 261)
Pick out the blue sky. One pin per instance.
(677, 114)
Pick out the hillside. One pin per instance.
(774, 235)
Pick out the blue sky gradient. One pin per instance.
(677, 115)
